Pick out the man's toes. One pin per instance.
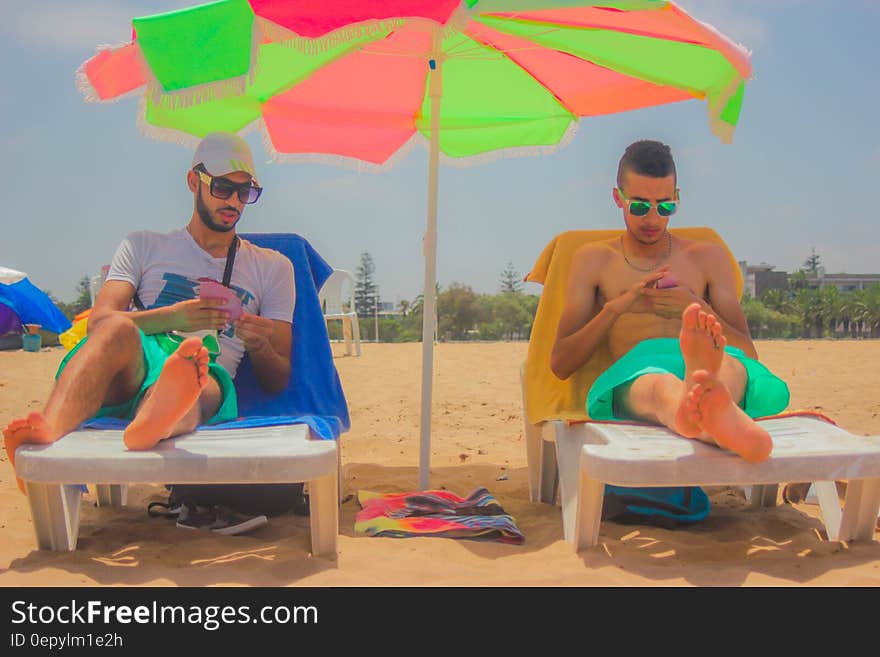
(189, 348)
(689, 317)
(702, 378)
(14, 426)
(203, 375)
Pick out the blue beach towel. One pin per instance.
(313, 395)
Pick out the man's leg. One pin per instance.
(107, 370)
(183, 396)
(704, 405)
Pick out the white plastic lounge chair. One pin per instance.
(333, 300)
(573, 458)
(280, 453)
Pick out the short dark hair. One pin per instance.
(646, 158)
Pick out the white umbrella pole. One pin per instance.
(428, 307)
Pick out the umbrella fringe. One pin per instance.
(339, 161)
(715, 106)
(203, 93)
(170, 135)
(418, 139)
(511, 153)
(271, 31)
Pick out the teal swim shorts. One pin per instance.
(154, 358)
(766, 394)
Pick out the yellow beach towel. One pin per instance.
(548, 397)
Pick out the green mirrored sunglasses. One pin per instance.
(641, 208)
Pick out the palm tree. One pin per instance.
(777, 299)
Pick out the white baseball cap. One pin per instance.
(221, 153)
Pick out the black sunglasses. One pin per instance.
(223, 188)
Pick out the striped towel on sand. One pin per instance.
(435, 513)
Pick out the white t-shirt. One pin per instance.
(165, 268)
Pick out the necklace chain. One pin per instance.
(659, 262)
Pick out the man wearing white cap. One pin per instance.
(135, 364)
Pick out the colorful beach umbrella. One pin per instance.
(358, 80)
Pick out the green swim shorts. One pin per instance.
(154, 358)
(766, 394)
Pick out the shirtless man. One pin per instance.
(668, 308)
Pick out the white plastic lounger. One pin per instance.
(278, 454)
(590, 455)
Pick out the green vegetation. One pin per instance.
(803, 312)
(798, 311)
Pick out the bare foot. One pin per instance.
(184, 376)
(702, 347)
(725, 422)
(32, 429)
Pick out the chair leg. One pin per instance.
(55, 513)
(540, 456)
(569, 445)
(346, 334)
(341, 480)
(549, 484)
(829, 503)
(591, 494)
(860, 510)
(356, 330)
(324, 514)
(112, 494)
(534, 454)
(763, 495)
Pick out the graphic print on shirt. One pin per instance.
(177, 288)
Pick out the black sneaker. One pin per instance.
(163, 510)
(219, 519)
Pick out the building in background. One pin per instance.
(757, 279)
(843, 282)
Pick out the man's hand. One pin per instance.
(628, 299)
(255, 331)
(670, 302)
(197, 315)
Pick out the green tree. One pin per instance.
(812, 263)
(511, 281)
(797, 282)
(457, 311)
(776, 299)
(366, 292)
(82, 301)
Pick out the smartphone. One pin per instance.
(211, 289)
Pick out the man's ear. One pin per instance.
(617, 200)
(192, 180)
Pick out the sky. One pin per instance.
(801, 174)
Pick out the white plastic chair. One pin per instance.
(95, 284)
(333, 301)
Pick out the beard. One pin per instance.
(205, 215)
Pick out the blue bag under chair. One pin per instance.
(662, 507)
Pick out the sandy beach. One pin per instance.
(477, 441)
